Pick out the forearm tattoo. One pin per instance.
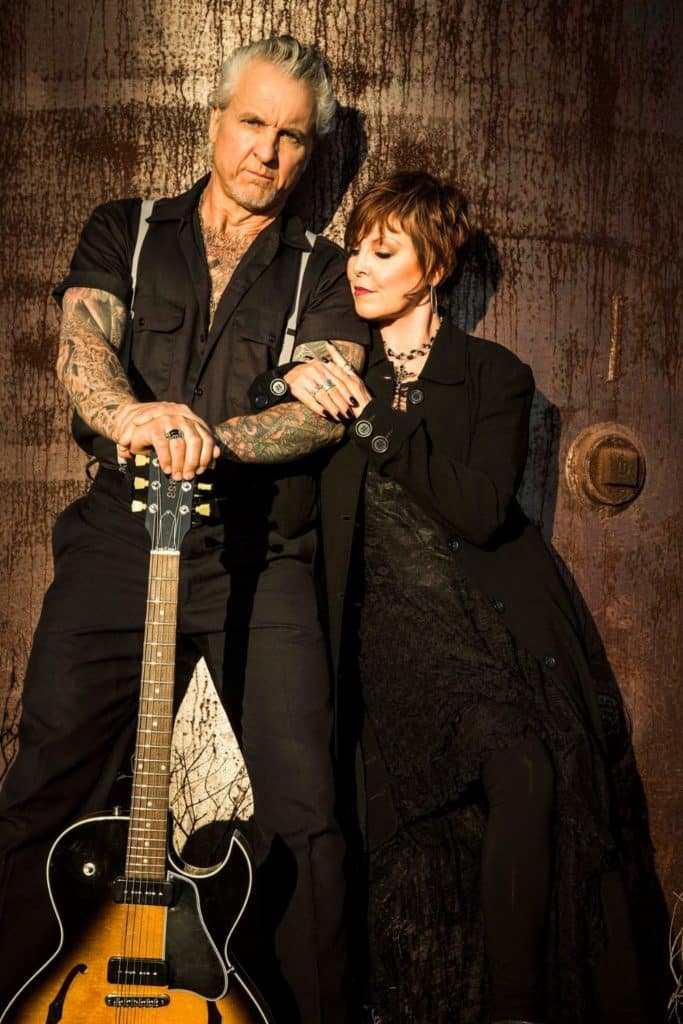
(287, 431)
(92, 331)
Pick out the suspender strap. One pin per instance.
(290, 330)
(146, 207)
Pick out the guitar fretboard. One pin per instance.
(147, 834)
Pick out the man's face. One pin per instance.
(263, 139)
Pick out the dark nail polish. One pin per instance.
(353, 401)
(329, 416)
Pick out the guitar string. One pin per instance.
(138, 921)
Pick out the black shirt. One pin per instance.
(174, 355)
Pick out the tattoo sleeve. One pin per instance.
(286, 432)
(92, 331)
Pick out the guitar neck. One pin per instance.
(147, 834)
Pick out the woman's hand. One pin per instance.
(329, 386)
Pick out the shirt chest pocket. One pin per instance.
(260, 327)
(256, 342)
(157, 334)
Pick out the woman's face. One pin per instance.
(385, 277)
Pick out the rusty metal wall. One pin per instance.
(561, 121)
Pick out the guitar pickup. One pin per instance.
(148, 892)
(136, 970)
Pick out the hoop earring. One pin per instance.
(433, 300)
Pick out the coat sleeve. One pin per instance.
(470, 496)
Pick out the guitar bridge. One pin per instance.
(137, 1002)
(148, 892)
(135, 970)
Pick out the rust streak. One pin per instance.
(616, 318)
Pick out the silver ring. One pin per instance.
(174, 434)
(314, 391)
(329, 384)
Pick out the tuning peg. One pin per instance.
(138, 506)
(203, 510)
(140, 484)
(204, 485)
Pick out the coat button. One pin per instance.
(550, 661)
(278, 387)
(261, 401)
(453, 543)
(141, 321)
(415, 396)
(199, 392)
(363, 428)
(379, 444)
(499, 606)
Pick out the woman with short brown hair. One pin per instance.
(475, 686)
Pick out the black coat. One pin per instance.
(460, 451)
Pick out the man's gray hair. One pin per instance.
(292, 58)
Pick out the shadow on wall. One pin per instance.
(474, 287)
(335, 163)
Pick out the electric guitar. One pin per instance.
(134, 948)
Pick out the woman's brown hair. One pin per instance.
(432, 214)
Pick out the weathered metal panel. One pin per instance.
(561, 121)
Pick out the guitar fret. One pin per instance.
(148, 827)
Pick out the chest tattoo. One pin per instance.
(223, 253)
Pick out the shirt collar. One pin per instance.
(446, 361)
(288, 229)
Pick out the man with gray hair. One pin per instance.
(216, 281)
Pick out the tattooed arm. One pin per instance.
(92, 330)
(285, 432)
(91, 335)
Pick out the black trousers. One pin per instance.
(260, 635)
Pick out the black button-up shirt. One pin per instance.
(176, 357)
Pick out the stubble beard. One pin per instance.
(257, 204)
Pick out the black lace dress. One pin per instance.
(444, 682)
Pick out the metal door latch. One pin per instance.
(605, 467)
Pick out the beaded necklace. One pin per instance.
(402, 372)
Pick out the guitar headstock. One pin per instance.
(170, 506)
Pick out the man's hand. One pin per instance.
(189, 450)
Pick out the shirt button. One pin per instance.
(415, 396)
(379, 444)
(499, 606)
(261, 401)
(141, 321)
(550, 661)
(199, 392)
(453, 543)
(363, 428)
(278, 387)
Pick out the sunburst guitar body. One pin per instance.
(134, 947)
